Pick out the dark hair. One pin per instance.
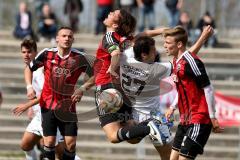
(142, 44)
(29, 44)
(178, 32)
(126, 23)
(64, 27)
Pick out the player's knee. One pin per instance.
(113, 138)
(71, 147)
(26, 147)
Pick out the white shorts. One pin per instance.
(35, 127)
(143, 115)
(140, 115)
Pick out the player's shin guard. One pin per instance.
(133, 132)
(68, 155)
(31, 155)
(48, 153)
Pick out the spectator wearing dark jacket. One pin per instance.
(204, 21)
(47, 23)
(23, 26)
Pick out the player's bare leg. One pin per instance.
(70, 147)
(111, 131)
(59, 150)
(174, 155)
(28, 142)
(164, 151)
(183, 158)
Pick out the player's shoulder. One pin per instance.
(111, 38)
(78, 52)
(191, 57)
(46, 51)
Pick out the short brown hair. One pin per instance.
(29, 44)
(126, 23)
(178, 32)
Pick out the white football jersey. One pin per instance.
(37, 83)
(141, 81)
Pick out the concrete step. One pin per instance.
(124, 148)
(11, 84)
(10, 120)
(226, 87)
(18, 155)
(11, 77)
(79, 37)
(96, 134)
(218, 53)
(14, 46)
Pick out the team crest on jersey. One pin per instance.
(178, 67)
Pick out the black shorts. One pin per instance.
(190, 139)
(122, 115)
(50, 123)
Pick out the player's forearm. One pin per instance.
(28, 76)
(88, 84)
(209, 94)
(197, 46)
(207, 32)
(152, 33)
(115, 60)
(32, 102)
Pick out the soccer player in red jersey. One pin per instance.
(195, 98)
(62, 67)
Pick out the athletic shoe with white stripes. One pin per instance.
(160, 134)
(154, 132)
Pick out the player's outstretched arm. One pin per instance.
(151, 33)
(31, 94)
(19, 109)
(206, 33)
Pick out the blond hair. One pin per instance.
(178, 32)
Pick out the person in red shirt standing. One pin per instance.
(195, 98)
(62, 67)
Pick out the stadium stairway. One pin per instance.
(222, 65)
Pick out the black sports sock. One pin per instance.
(48, 153)
(68, 155)
(127, 133)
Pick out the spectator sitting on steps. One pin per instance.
(47, 24)
(23, 26)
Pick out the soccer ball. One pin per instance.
(110, 100)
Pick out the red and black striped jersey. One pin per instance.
(110, 42)
(60, 76)
(190, 77)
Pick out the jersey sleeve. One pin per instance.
(38, 61)
(196, 69)
(163, 69)
(110, 43)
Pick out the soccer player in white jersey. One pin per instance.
(34, 131)
(140, 79)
